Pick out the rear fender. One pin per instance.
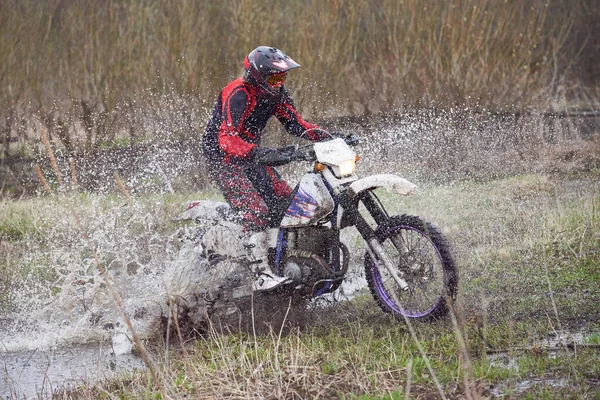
(206, 210)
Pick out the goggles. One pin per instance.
(277, 80)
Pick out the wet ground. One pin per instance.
(38, 374)
(35, 373)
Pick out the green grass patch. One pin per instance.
(528, 252)
(17, 223)
(358, 360)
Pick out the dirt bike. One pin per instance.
(409, 265)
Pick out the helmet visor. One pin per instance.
(277, 80)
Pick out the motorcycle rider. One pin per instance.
(237, 163)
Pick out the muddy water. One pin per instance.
(70, 308)
(554, 344)
(36, 374)
(79, 338)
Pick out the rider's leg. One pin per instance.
(239, 191)
(275, 192)
(241, 194)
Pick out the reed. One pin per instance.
(123, 189)
(42, 178)
(93, 63)
(51, 156)
(73, 168)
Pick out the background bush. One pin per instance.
(111, 74)
(360, 56)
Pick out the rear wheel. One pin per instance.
(422, 255)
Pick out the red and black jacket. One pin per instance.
(240, 116)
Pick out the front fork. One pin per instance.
(376, 251)
(379, 214)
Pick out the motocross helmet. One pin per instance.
(267, 67)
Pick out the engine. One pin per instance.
(314, 259)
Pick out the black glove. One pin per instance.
(273, 157)
(304, 154)
(335, 135)
(350, 138)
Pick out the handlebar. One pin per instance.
(304, 153)
(307, 153)
(350, 138)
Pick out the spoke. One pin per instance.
(411, 297)
(395, 292)
(431, 257)
(426, 296)
(414, 239)
(414, 299)
(420, 293)
(395, 298)
(417, 262)
(418, 240)
(383, 282)
(413, 253)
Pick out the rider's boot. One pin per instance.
(230, 240)
(265, 280)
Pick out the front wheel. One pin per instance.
(423, 256)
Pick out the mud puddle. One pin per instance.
(37, 374)
(551, 346)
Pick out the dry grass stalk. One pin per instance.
(463, 353)
(156, 376)
(123, 189)
(408, 378)
(73, 173)
(415, 338)
(50, 153)
(40, 174)
(186, 356)
(479, 52)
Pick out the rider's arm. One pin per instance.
(231, 131)
(292, 121)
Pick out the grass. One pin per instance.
(354, 360)
(528, 252)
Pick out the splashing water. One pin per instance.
(62, 317)
(77, 252)
(39, 374)
(63, 297)
(73, 249)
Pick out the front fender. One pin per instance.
(391, 182)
